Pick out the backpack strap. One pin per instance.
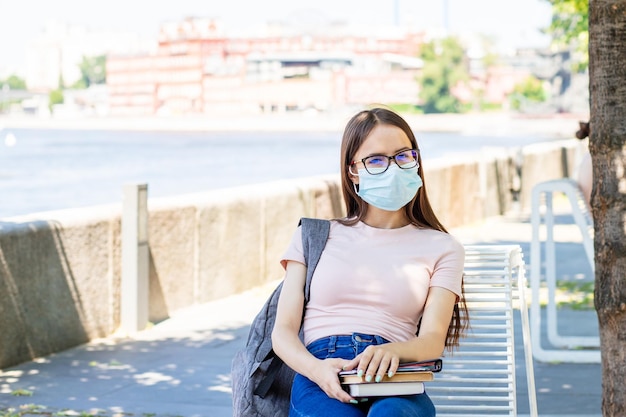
(314, 236)
(270, 375)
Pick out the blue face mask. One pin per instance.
(392, 189)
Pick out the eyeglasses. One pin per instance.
(377, 164)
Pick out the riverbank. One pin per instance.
(495, 123)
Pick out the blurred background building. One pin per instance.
(199, 66)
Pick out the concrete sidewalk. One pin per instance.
(181, 366)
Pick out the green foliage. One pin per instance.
(484, 106)
(529, 91)
(92, 71)
(14, 82)
(570, 29)
(24, 410)
(491, 59)
(444, 68)
(79, 85)
(28, 410)
(55, 97)
(405, 108)
(22, 393)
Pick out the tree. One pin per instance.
(444, 68)
(607, 81)
(529, 91)
(603, 24)
(55, 97)
(92, 71)
(14, 82)
(569, 29)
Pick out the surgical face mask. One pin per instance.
(392, 189)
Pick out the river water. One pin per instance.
(43, 170)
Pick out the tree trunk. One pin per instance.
(607, 87)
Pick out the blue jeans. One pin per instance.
(308, 400)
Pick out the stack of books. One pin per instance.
(408, 380)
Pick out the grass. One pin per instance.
(575, 295)
(568, 294)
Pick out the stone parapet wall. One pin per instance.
(60, 272)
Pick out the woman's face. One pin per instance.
(383, 140)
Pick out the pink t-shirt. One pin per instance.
(375, 281)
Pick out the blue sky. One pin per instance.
(515, 23)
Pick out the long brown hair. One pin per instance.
(418, 211)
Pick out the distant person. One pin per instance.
(584, 176)
(388, 286)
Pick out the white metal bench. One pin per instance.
(478, 379)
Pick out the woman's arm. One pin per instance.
(287, 344)
(438, 310)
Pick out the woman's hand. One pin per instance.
(326, 377)
(375, 362)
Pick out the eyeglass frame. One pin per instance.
(389, 159)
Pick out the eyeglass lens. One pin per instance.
(377, 164)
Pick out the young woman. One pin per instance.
(388, 269)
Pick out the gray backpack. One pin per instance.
(261, 382)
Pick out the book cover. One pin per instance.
(406, 376)
(431, 365)
(374, 389)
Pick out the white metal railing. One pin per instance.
(567, 346)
